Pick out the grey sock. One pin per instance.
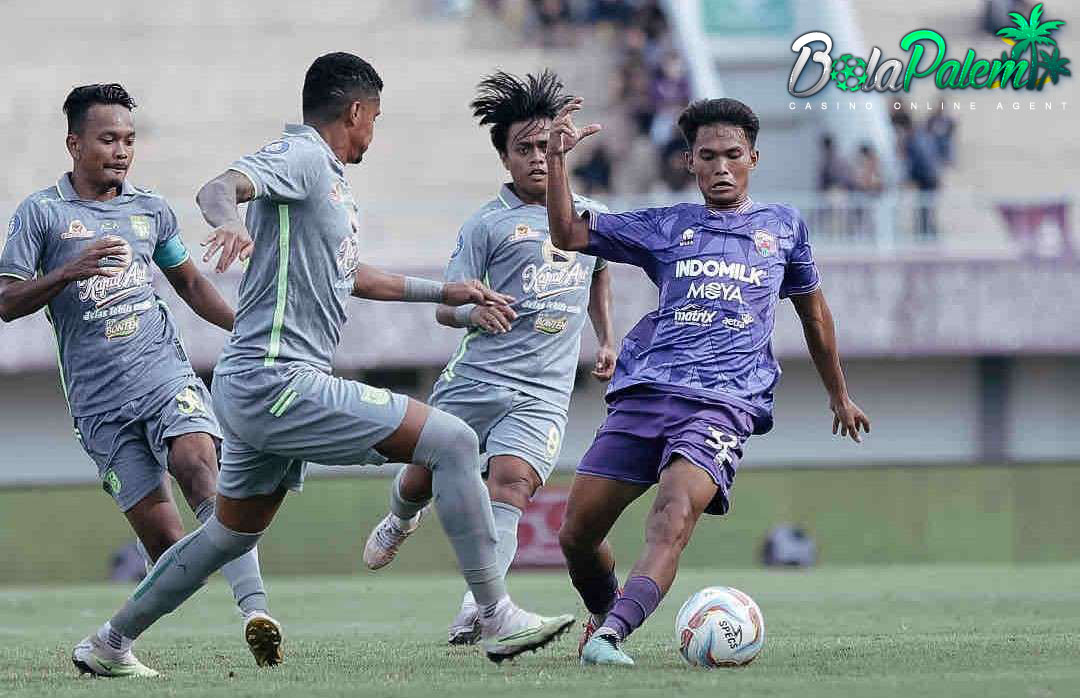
(450, 449)
(243, 573)
(179, 573)
(399, 506)
(506, 525)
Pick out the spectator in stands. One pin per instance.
(834, 172)
(923, 170)
(617, 12)
(942, 126)
(673, 170)
(670, 92)
(594, 175)
(554, 19)
(867, 175)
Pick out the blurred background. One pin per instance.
(945, 228)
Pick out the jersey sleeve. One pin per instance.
(24, 243)
(170, 250)
(469, 259)
(593, 207)
(800, 273)
(279, 171)
(627, 237)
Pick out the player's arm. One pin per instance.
(219, 200)
(820, 333)
(600, 313)
(200, 294)
(470, 261)
(20, 297)
(568, 230)
(377, 285)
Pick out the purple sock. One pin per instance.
(598, 593)
(639, 599)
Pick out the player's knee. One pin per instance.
(513, 484)
(670, 522)
(576, 541)
(448, 442)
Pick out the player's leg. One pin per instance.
(156, 523)
(449, 448)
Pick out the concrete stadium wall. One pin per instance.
(925, 411)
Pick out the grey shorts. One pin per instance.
(129, 445)
(507, 422)
(277, 418)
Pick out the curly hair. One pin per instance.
(503, 99)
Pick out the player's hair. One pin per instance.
(503, 99)
(718, 111)
(334, 81)
(80, 100)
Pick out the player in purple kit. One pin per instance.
(695, 377)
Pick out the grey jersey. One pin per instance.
(115, 339)
(307, 249)
(506, 244)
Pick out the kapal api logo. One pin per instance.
(1028, 64)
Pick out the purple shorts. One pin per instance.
(646, 428)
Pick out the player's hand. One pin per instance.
(457, 293)
(605, 364)
(564, 135)
(109, 256)
(234, 242)
(494, 319)
(848, 419)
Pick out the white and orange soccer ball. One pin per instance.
(719, 626)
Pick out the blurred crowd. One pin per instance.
(642, 149)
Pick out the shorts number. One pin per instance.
(553, 441)
(723, 443)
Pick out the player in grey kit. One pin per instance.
(82, 249)
(278, 403)
(511, 378)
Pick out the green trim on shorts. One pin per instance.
(284, 401)
(282, 285)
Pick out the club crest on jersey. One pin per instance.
(687, 238)
(140, 225)
(764, 243)
(76, 231)
(189, 402)
(522, 231)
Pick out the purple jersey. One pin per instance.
(720, 275)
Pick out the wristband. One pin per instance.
(419, 290)
(463, 315)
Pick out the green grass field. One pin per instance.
(977, 630)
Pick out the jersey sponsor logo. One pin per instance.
(715, 268)
(76, 231)
(337, 193)
(348, 256)
(738, 322)
(560, 273)
(687, 238)
(715, 290)
(14, 225)
(275, 147)
(109, 226)
(694, 315)
(764, 243)
(550, 324)
(104, 291)
(118, 328)
(722, 443)
(374, 396)
(189, 402)
(117, 310)
(140, 225)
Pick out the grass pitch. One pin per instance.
(973, 630)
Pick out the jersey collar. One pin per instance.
(744, 207)
(508, 198)
(310, 132)
(68, 193)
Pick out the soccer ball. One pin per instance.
(719, 626)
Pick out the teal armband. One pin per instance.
(171, 253)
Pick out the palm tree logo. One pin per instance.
(1028, 33)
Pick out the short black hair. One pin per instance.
(335, 80)
(503, 99)
(718, 111)
(80, 100)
